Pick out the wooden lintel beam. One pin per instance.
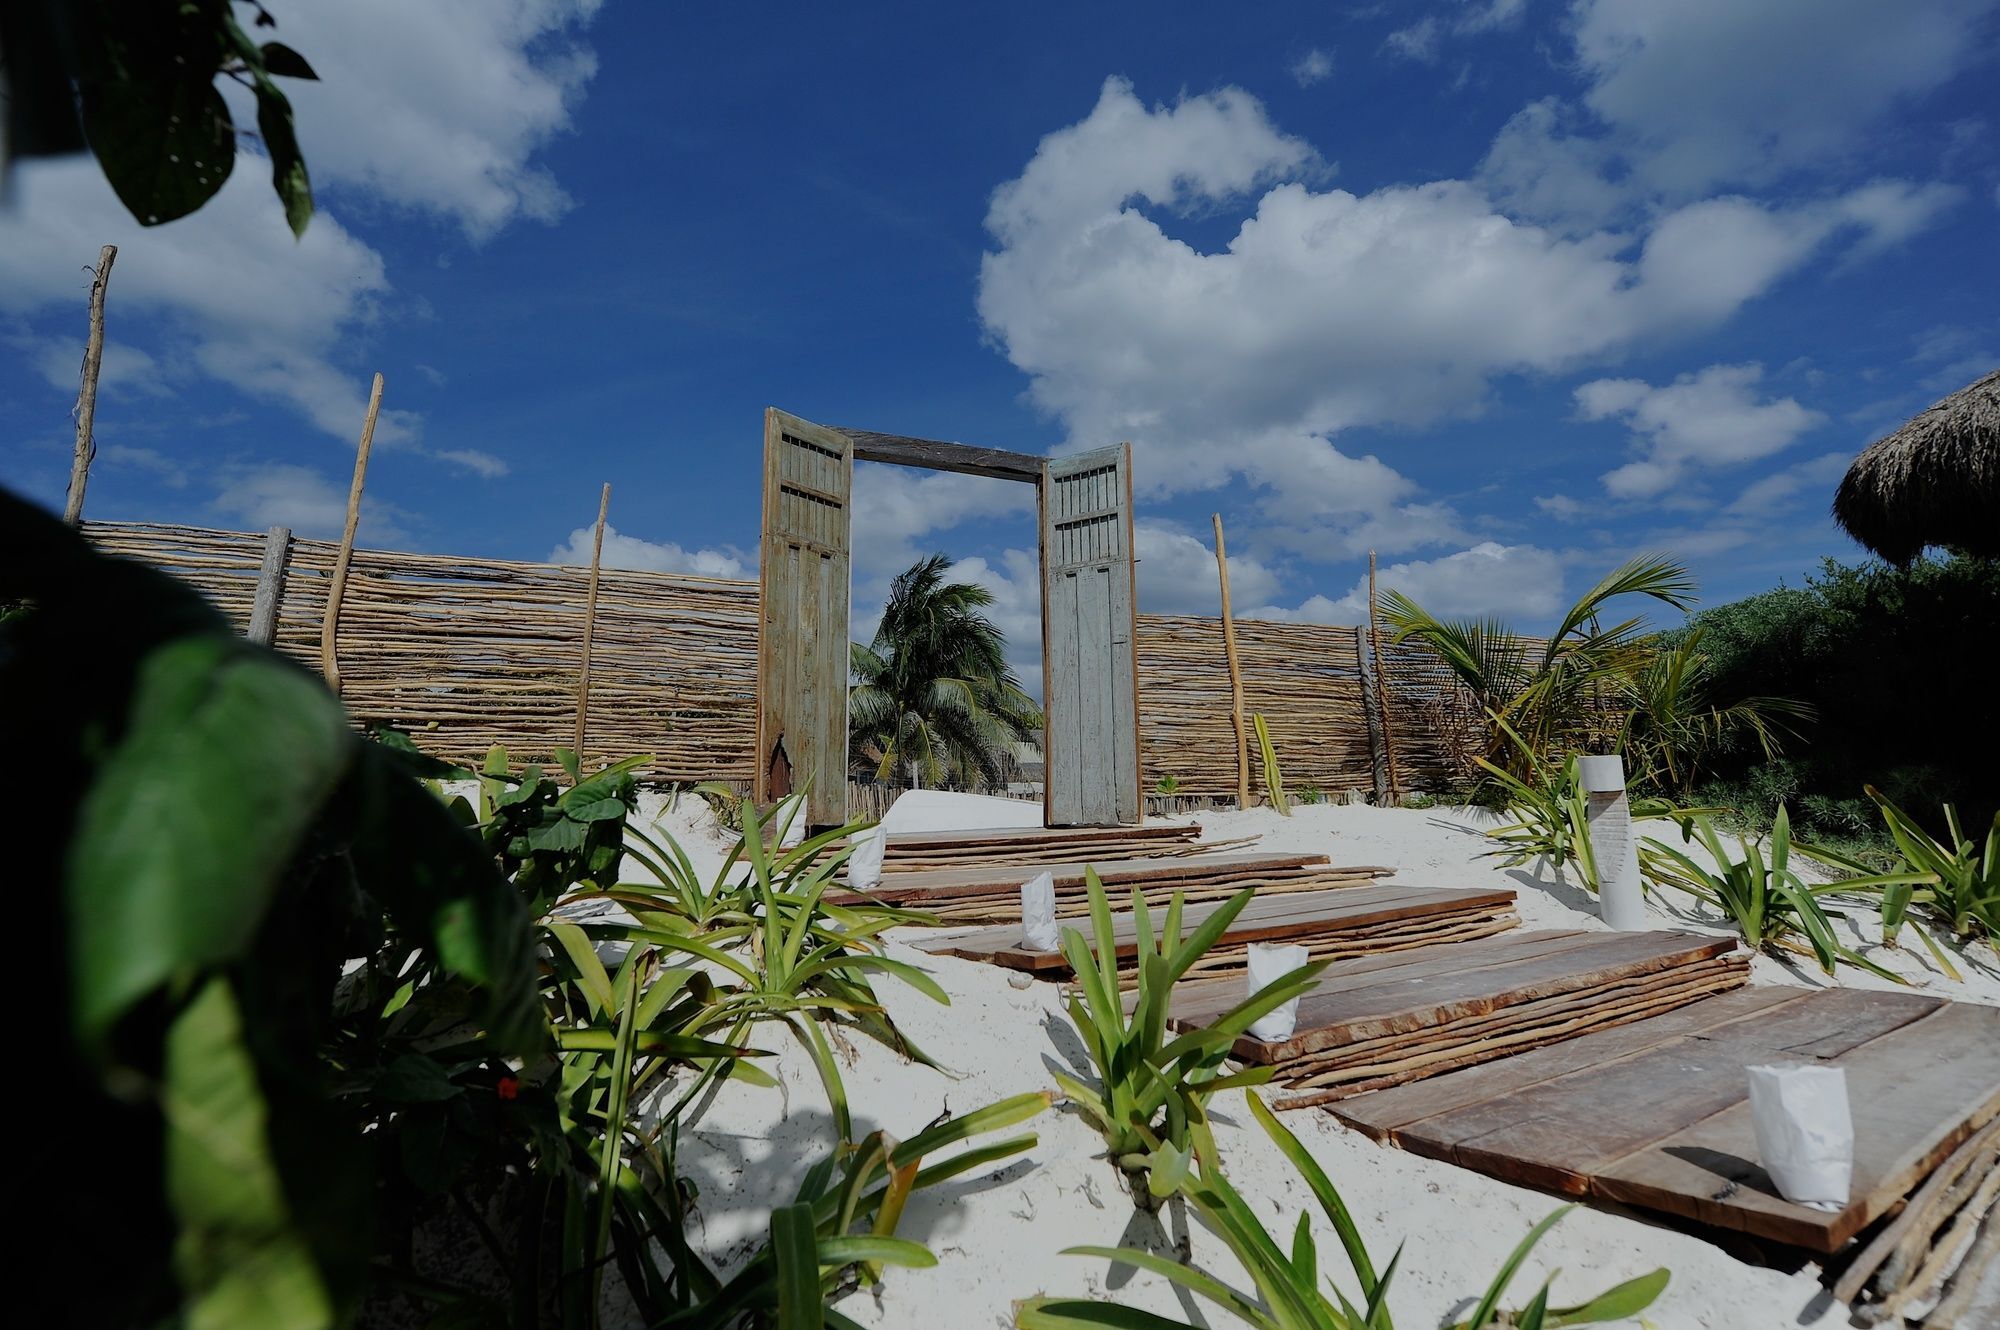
(937, 456)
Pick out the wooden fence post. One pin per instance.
(1371, 707)
(1235, 672)
(1382, 686)
(270, 586)
(330, 625)
(86, 396)
(590, 623)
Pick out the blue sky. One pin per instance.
(1505, 290)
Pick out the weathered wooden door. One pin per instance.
(802, 653)
(1089, 679)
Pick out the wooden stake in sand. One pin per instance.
(328, 667)
(1381, 686)
(590, 621)
(86, 397)
(1235, 672)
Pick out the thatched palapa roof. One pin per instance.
(1936, 481)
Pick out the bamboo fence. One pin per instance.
(467, 653)
(1304, 679)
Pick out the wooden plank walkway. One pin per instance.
(999, 847)
(1385, 1020)
(1655, 1113)
(1346, 921)
(985, 895)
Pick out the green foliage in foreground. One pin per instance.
(324, 1011)
(1760, 891)
(1151, 1087)
(1290, 1292)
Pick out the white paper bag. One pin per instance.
(1805, 1135)
(1038, 914)
(1270, 962)
(864, 866)
(794, 833)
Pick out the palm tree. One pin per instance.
(1557, 694)
(932, 699)
(1673, 724)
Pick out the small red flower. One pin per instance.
(508, 1088)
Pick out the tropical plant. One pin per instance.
(933, 701)
(1559, 693)
(1150, 1087)
(808, 963)
(1274, 778)
(136, 85)
(1674, 725)
(1758, 889)
(1167, 785)
(1290, 1293)
(1962, 891)
(1552, 817)
(1954, 884)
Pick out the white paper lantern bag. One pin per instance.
(1039, 931)
(1270, 962)
(864, 865)
(1805, 1133)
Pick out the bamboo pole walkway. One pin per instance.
(1338, 924)
(1387, 1020)
(1655, 1114)
(985, 895)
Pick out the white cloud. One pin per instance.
(1815, 477)
(477, 461)
(1710, 419)
(1417, 42)
(439, 106)
(895, 507)
(1781, 83)
(311, 504)
(1326, 310)
(124, 368)
(118, 456)
(1315, 66)
(259, 310)
(1560, 506)
(1177, 573)
(623, 551)
(1511, 581)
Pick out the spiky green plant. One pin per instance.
(1274, 779)
(1290, 1291)
(1150, 1087)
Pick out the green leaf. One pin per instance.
(1083, 1314)
(226, 761)
(163, 135)
(240, 1258)
(795, 1254)
(1618, 1303)
(415, 1079)
(282, 61)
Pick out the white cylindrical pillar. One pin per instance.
(1621, 893)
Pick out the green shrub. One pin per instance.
(1151, 1086)
(1759, 891)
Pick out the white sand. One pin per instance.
(998, 1236)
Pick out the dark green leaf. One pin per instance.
(415, 1079)
(166, 143)
(282, 61)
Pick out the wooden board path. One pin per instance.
(1655, 1114)
(1346, 921)
(993, 895)
(1386, 1019)
(997, 847)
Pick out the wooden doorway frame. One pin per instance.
(963, 459)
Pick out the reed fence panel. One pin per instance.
(1305, 679)
(466, 653)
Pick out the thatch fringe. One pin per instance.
(1935, 481)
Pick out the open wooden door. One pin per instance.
(802, 645)
(1089, 675)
